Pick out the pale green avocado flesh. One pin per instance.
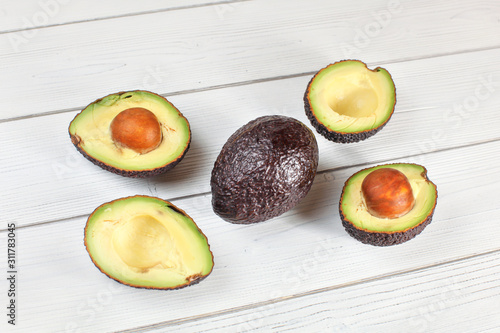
(347, 97)
(147, 242)
(354, 209)
(90, 131)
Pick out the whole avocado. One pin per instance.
(264, 169)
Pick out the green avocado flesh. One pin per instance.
(347, 97)
(147, 242)
(354, 210)
(91, 134)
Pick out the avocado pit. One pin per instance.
(387, 193)
(137, 129)
(134, 134)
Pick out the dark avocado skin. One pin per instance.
(132, 173)
(384, 238)
(338, 137)
(194, 279)
(264, 169)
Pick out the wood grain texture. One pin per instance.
(223, 64)
(20, 16)
(302, 251)
(43, 168)
(428, 300)
(67, 67)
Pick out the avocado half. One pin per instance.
(347, 102)
(91, 133)
(147, 242)
(263, 170)
(369, 229)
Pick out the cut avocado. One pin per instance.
(265, 168)
(133, 134)
(147, 242)
(378, 208)
(347, 102)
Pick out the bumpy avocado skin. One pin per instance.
(340, 137)
(336, 136)
(385, 238)
(130, 173)
(265, 168)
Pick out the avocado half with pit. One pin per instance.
(147, 242)
(133, 134)
(388, 204)
(347, 102)
(264, 169)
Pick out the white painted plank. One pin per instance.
(29, 14)
(304, 250)
(443, 103)
(66, 67)
(40, 165)
(457, 297)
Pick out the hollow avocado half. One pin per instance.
(347, 102)
(264, 169)
(370, 229)
(147, 242)
(91, 132)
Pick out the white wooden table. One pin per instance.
(224, 63)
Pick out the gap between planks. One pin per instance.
(305, 294)
(256, 81)
(360, 165)
(112, 17)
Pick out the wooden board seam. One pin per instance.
(218, 3)
(254, 81)
(360, 166)
(305, 294)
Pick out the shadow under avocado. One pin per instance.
(190, 168)
(320, 207)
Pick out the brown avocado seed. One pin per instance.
(137, 129)
(387, 193)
